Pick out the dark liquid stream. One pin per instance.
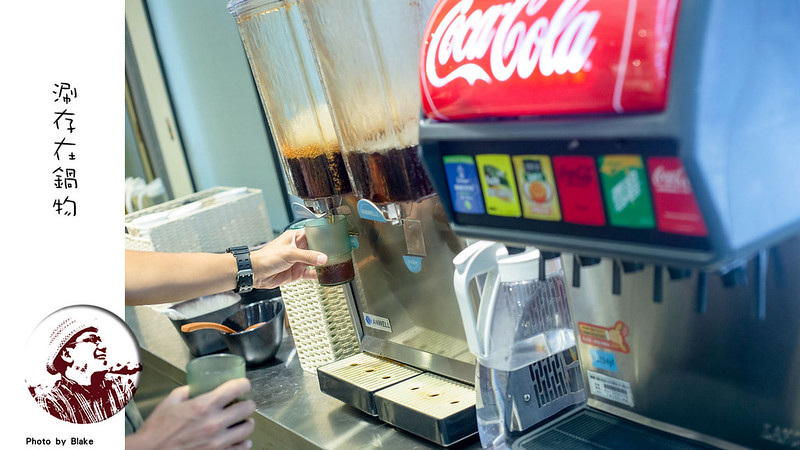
(396, 175)
(319, 176)
(336, 273)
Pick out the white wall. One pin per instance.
(218, 110)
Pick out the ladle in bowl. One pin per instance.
(194, 326)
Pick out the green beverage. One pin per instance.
(206, 373)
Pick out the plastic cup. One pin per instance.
(330, 235)
(206, 373)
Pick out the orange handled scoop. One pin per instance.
(206, 325)
(255, 325)
(194, 326)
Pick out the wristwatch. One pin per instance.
(244, 274)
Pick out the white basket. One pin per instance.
(320, 322)
(208, 221)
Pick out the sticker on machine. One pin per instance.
(610, 388)
(377, 322)
(613, 338)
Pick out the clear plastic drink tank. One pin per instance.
(291, 91)
(368, 56)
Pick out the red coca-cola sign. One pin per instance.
(491, 58)
(677, 210)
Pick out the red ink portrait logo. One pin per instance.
(82, 364)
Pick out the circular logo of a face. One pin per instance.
(82, 364)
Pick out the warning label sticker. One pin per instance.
(613, 338)
(610, 388)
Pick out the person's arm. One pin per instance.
(158, 277)
(155, 277)
(206, 421)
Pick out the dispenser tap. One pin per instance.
(391, 212)
(734, 275)
(761, 285)
(301, 211)
(627, 267)
(576, 272)
(632, 266)
(543, 257)
(678, 274)
(577, 263)
(315, 208)
(658, 284)
(587, 261)
(702, 292)
(616, 278)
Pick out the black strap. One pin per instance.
(244, 274)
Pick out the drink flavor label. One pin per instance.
(676, 208)
(465, 187)
(625, 187)
(607, 338)
(499, 188)
(579, 190)
(537, 187)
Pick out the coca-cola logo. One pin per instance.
(514, 37)
(670, 181)
(577, 176)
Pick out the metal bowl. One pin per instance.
(260, 344)
(204, 309)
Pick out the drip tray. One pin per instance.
(589, 429)
(425, 404)
(354, 380)
(430, 406)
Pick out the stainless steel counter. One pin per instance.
(291, 412)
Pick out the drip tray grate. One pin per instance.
(431, 406)
(595, 430)
(354, 380)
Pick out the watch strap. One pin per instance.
(244, 269)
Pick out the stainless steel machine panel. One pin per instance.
(724, 373)
(405, 316)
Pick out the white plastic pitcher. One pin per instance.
(521, 319)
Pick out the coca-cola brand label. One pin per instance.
(485, 58)
(669, 178)
(579, 190)
(676, 208)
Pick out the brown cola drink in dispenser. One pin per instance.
(315, 174)
(394, 175)
(368, 56)
(291, 91)
(315, 168)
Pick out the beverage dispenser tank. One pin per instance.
(368, 66)
(291, 93)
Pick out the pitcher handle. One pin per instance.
(477, 259)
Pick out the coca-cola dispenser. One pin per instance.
(653, 145)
